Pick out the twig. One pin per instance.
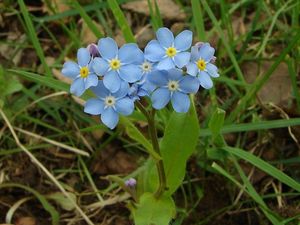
(44, 169)
(67, 147)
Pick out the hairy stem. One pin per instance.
(159, 163)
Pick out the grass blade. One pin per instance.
(254, 126)
(264, 166)
(260, 81)
(34, 39)
(226, 44)
(46, 205)
(198, 19)
(47, 81)
(87, 19)
(256, 197)
(121, 20)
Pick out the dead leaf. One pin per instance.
(59, 5)
(57, 73)
(277, 89)
(26, 221)
(168, 9)
(144, 35)
(88, 36)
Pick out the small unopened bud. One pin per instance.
(93, 49)
(199, 44)
(213, 59)
(131, 182)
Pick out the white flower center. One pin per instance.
(146, 67)
(109, 101)
(173, 85)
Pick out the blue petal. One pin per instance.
(70, 69)
(206, 52)
(110, 118)
(83, 57)
(108, 48)
(195, 53)
(159, 78)
(165, 37)
(130, 73)
(165, 64)
(130, 53)
(100, 90)
(148, 87)
(182, 58)
(77, 87)
(192, 69)
(160, 98)
(154, 52)
(124, 90)
(112, 81)
(125, 106)
(94, 106)
(91, 80)
(183, 41)
(175, 74)
(212, 70)
(180, 102)
(205, 80)
(100, 66)
(189, 84)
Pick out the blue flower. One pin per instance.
(144, 87)
(110, 105)
(201, 65)
(173, 85)
(82, 73)
(117, 65)
(167, 51)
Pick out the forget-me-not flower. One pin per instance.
(201, 64)
(144, 87)
(117, 65)
(173, 85)
(168, 51)
(110, 105)
(82, 73)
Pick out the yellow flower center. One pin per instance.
(110, 100)
(171, 52)
(173, 85)
(115, 64)
(84, 72)
(201, 64)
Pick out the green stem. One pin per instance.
(159, 163)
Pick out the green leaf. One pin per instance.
(8, 84)
(136, 135)
(179, 142)
(264, 166)
(216, 121)
(152, 211)
(63, 201)
(215, 124)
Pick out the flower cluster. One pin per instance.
(169, 69)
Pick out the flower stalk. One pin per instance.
(154, 140)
